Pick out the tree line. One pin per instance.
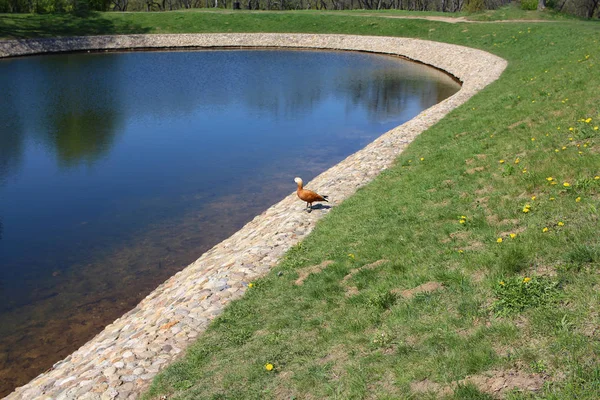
(582, 8)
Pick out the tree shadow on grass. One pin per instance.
(53, 25)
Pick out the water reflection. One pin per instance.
(117, 170)
(78, 108)
(11, 133)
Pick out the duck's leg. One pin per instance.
(309, 205)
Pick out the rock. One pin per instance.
(64, 381)
(110, 394)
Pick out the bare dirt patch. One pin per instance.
(459, 235)
(315, 269)
(474, 246)
(385, 385)
(479, 275)
(542, 270)
(351, 290)
(484, 190)
(525, 121)
(338, 357)
(471, 171)
(495, 383)
(495, 220)
(591, 328)
(424, 288)
(373, 265)
(427, 386)
(515, 231)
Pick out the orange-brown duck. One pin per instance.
(308, 195)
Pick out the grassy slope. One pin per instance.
(19, 26)
(325, 344)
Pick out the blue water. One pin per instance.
(116, 170)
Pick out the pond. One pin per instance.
(119, 169)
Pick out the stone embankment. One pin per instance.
(122, 359)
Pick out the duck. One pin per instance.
(308, 195)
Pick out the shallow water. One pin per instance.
(117, 170)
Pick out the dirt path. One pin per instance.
(450, 20)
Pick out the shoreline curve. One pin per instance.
(121, 361)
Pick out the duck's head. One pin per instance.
(298, 180)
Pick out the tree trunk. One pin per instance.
(541, 5)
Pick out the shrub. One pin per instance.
(529, 4)
(474, 6)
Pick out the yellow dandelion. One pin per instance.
(553, 183)
(461, 251)
(499, 240)
(571, 129)
(269, 366)
(549, 179)
(552, 199)
(524, 170)
(502, 283)
(580, 152)
(513, 235)
(571, 139)
(566, 184)
(517, 161)
(564, 147)
(556, 150)
(501, 161)
(532, 139)
(560, 223)
(351, 256)
(595, 128)
(422, 158)
(526, 279)
(533, 197)
(577, 200)
(251, 285)
(588, 120)
(462, 221)
(596, 178)
(463, 217)
(545, 230)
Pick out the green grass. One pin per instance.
(22, 26)
(375, 343)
